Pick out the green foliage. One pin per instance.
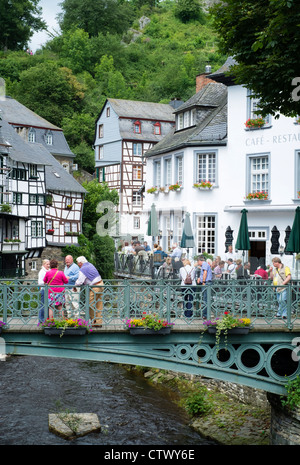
(264, 38)
(292, 400)
(103, 255)
(18, 20)
(101, 16)
(84, 248)
(96, 193)
(50, 91)
(196, 403)
(188, 10)
(85, 157)
(69, 79)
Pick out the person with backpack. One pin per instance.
(188, 283)
(204, 279)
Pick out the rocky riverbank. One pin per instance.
(228, 414)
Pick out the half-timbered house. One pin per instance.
(22, 191)
(49, 190)
(125, 130)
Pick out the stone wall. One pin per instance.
(285, 423)
(49, 253)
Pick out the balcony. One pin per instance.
(12, 246)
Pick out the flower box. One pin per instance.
(144, 331)
(152, 190)
(69, 207)
(174, 187)
(255, 123)
(257, 196)
(50, 231)
(148, 324)
(204, 185)
(61, 327)
(244, 330)
(64, 331)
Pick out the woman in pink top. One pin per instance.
(56, 280)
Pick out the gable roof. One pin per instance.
(211, 128)
(142, 110)
(36, 154)
(18, 115)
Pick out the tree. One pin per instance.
(94, 16)
(188, 10)
(18, 20)
(264, 39)
(103, 256)
(96, 193)
(50, 91)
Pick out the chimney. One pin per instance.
(202, 80)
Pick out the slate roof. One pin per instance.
(221, 74)
(36, 154)
(19, 115)
(211, 127)
(146, 110)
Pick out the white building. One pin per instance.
(212, 143)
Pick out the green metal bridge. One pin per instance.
(266, 358)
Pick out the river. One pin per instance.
(131, 410)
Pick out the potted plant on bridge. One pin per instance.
(148, 324)
(69, 327)
(227, 325)
(2, 324)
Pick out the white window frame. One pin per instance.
(136, 222)
(31, 135)
(206, 166)
(168, 171)
(137, 149)
(206, 233)
(258, 177)
(137, 173)
(36, 228)
(136, 199)
(157, 173)
(253, 109)
(179, 169)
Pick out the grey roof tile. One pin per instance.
(147, 110)
(211, 127)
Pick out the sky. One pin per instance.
(50, 9)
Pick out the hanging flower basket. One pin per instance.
(255, 123)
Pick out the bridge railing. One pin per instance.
(21, 301)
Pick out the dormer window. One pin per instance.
(137, 127)
(186, 119)
(49, 138)
(31, 135)
(157, 129)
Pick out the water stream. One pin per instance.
(130, 409)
